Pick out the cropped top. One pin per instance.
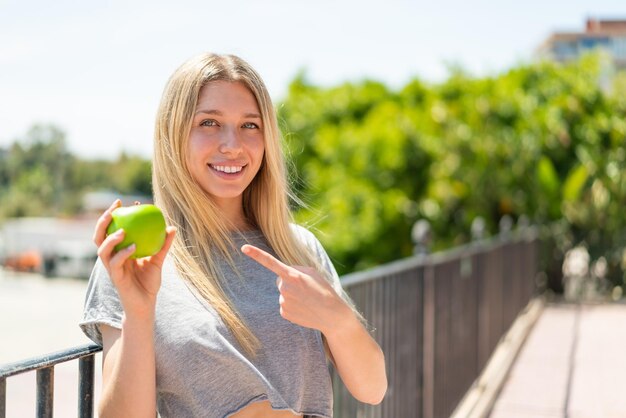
(201, 370)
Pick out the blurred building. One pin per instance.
(609, 35)
(94, 203)
(58, 246)
(51, 246)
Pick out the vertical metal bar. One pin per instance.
(428, 351)
(45, 392)
(417, 313)
(85, 386)
(3, 397)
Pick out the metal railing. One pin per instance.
(437, 318)
(44, 367)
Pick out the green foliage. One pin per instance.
(544, 141)
(34, 172)
(132, 175)
(360, 167)
(40, 177)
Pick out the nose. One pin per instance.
(230, 142)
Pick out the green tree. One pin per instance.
(361, 167)
(35, 173)
(543, 141)
(132, 175)
(39, 176)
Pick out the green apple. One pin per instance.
(144, 226)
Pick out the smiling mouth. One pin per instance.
(227, 169)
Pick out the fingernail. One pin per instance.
(131, 248)
(118, 232)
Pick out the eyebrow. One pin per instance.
(218, 113)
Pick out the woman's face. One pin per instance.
(226, 141)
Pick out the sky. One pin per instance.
(96, 69)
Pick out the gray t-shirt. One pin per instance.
(201, 369)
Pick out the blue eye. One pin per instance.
(250, 125)
(208, 122)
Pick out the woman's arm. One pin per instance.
(128, 370)
(357, 358)
(309, 300)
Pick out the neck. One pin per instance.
(232, 211)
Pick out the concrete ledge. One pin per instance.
(480, 398)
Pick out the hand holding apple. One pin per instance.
(138, 232)
(144, 226)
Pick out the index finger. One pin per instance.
(103, 221)
(266, 259)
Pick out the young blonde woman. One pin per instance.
(240, 311)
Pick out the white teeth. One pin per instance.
(227, 168)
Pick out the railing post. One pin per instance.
(428, 350)
(523, 222)
(45, 392)
(44, 367)
(505, 226)
(3, 397)
(478, 228)
(85, 386)
(421, 236)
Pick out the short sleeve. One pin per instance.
(312, 243)
(102, 304)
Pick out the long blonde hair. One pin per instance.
(186, 206)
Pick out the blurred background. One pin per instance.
(461, 115)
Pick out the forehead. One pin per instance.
(227, 96)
